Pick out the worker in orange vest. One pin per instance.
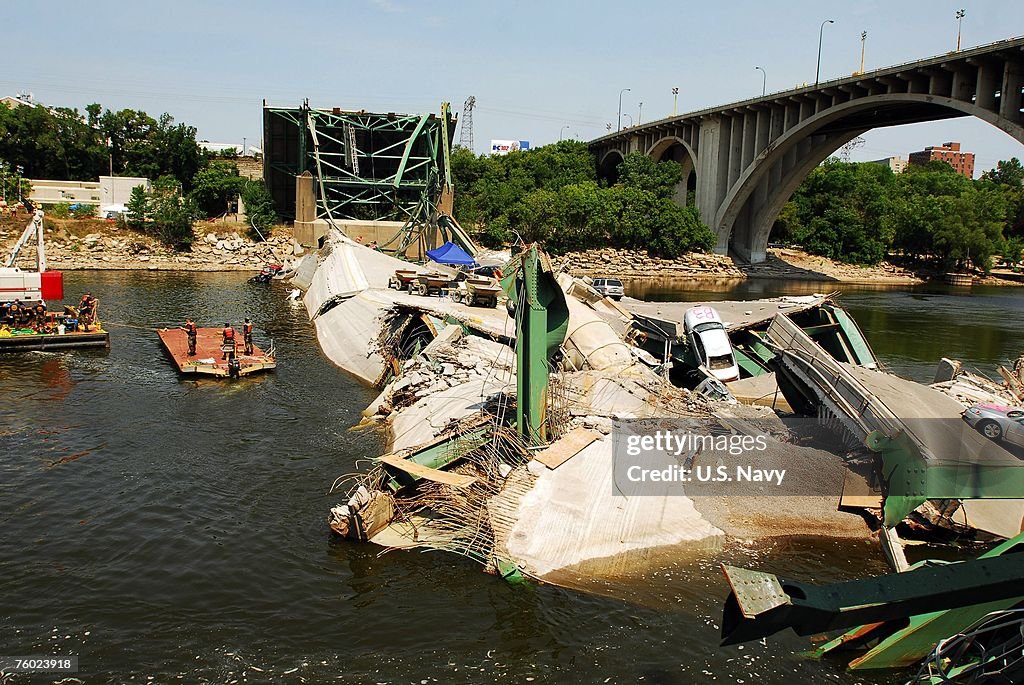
(247, 335)
(229, 341)
(191, 331)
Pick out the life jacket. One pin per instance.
(190, 329)
(229, 333)
(247, 329)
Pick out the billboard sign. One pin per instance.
(503, 147)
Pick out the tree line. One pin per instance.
(862, 212)
(552, 194)
(189, 183)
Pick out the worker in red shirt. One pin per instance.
(229, 341)
(247, 335)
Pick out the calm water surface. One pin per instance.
(175, 530)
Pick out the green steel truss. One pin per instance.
(366, 165)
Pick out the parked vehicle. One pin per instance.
(997, 422)
(709, 341)
(609, 287)
(490, 271)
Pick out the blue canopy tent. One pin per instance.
(450, 253)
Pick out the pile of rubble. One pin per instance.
(971, 388)
(450, 361)
(640, 263)
(129, 250)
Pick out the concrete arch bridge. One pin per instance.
(744, 160)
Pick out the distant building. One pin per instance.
(897, 164)
(109, 191)
(962, 162)
(21, 100)
(250, 150)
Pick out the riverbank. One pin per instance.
(81, 244)
(781, 264)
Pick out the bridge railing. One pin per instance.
(1017, 41)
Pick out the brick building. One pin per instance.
(962, 162)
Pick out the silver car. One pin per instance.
(609, 287)
(996, 422)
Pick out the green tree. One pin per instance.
(638, 170)
(172, 215)
(215, 187)
(1008, 178)
(139, 210)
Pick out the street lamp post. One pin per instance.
(764, 80)
(619, 124)
(20, 169)
(863, 39)
(959, 20)
(640, 115)
(817, 73)
(627, 114)
(560, 132)
(675, 100)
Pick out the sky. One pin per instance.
(539, 70)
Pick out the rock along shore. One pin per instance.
(74, 245)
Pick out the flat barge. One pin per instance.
(207, 360)
(12, 341)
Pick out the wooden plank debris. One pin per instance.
(457, 480)
(567, 447)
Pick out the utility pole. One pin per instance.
(959, 20)
(640, 114)
(20, 170)
(863, 39)
(675, 100)
(466, 125)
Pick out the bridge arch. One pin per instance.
(675, 149)
(608, 166)
(751, 205)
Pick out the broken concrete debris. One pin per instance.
(460, 477)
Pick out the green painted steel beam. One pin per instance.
(438, 454)
(408, 149)
(854, 336)
(542, 319)
(748, 364)
(901, 643)
(911, 480)
(762, 604)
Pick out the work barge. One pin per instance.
(210, 359)
(503, 423)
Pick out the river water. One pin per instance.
(166, 530)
